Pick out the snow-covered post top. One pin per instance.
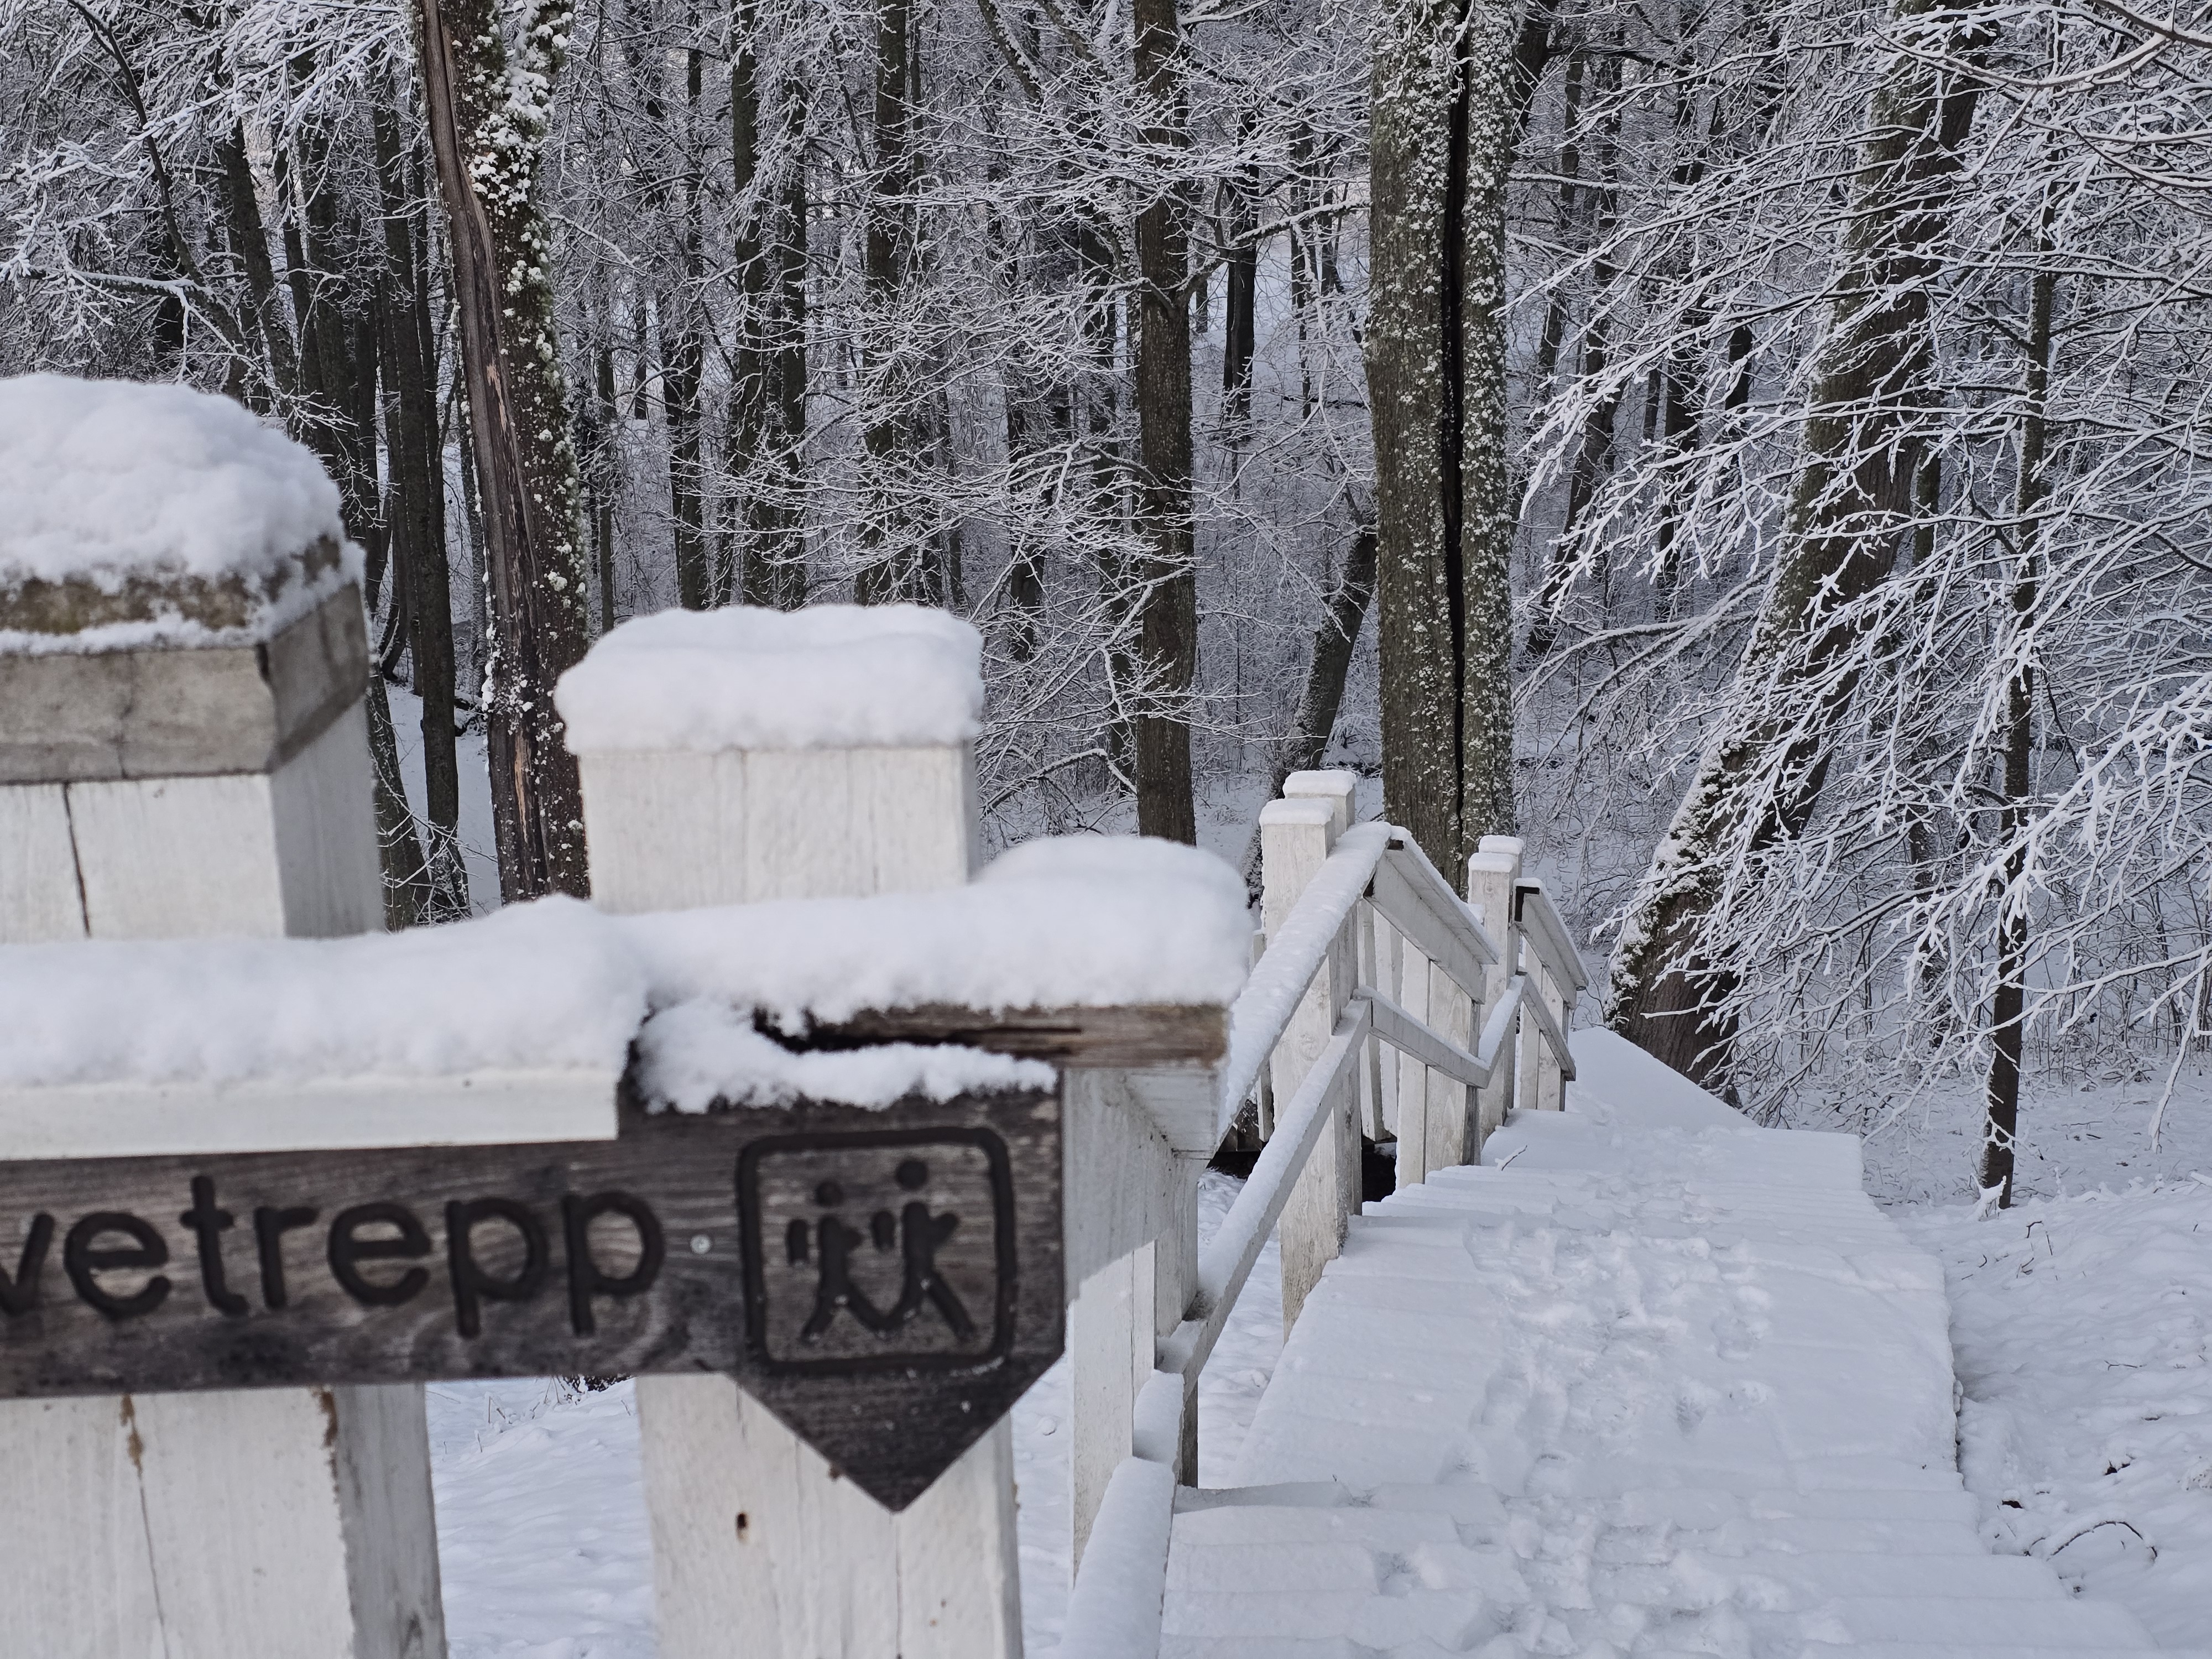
(177, 597)
(748, 754)
(183, 745)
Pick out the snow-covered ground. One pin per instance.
(2080, 1320)
(542, 1532)
(2077, 1132)
(2082, 1329)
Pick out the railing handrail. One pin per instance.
(1542, 925)
(1114, 1606)
(1294, 954)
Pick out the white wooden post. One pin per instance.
(1110, 1343)
(1296, 834)
(163, 792)
(1131, 1257)
(1490, 873)
(761, 1550)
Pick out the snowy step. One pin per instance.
(2065, 1623)
(1371, 1618)
(1690, 1508)
(1819, 1577)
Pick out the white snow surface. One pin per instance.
(2083, 1332)
(826, 677)
(1664, 1383)
(689, 1056)
(1077, 922)
(1065, 922)
(104, 480)
(532, 986)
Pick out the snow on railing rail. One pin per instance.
(1372, 874)
(1294, 955)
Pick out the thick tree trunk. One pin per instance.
(487, 142)
(1168, 620)
(1450, 91)
(1486, 127)
(1852, 494)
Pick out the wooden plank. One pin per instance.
(887, 1282)
(1415, 979)
(326, 822)
(161, 712)
(39, 900)
(1451, 1099)
(1542, 1002)
(1115, 1610)
(1107, 1340)
(1122, 1174)
(820, 1570)
(171, 858)
(1491, 869)
(1431, 1048)
(1294, 846)
(139, 1120)
(1117, 1039)
(1228, 1258)
(1447, 936)
(1539, 918)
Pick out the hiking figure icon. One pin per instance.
(917, 1234)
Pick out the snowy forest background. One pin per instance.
(1856, 463)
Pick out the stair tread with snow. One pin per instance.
(1633, 1388)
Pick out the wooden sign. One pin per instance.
(887, 1282)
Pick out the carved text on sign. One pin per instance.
(887, 1282)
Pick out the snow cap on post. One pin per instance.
(829, 676)
(177, 597)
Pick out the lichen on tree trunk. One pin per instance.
(487, 121)
(1450, 92)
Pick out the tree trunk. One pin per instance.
(2007, 1015)
(784, 563)
(487, 140)
(1330, 662)
(751, 416)
(249, 240)
(683, 354)
(604, 476)
(416, 462)
(1840, 530)
(1168, 619)
(891, 572)
(1451, 91)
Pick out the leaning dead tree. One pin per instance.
(487, 118)
(1849, 504)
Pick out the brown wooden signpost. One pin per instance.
(887, 1282)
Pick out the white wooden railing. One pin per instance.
(1383, 1003)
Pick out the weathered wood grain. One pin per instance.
(163, 712)
(887, 1282)
(1110, 1039)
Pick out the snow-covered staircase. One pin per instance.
(1650, 1381)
